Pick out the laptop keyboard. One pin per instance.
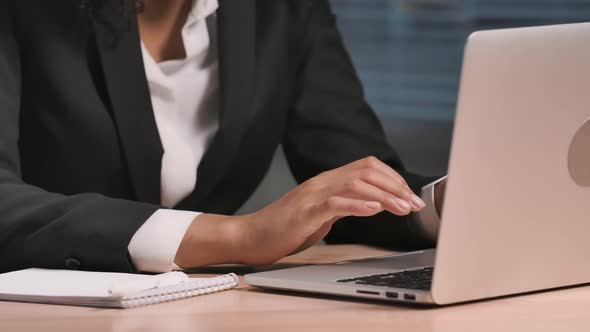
(420, 279)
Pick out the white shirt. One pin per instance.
(184, 95)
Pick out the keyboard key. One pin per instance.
(420, 279)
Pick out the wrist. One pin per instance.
(210, 240)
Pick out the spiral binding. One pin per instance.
(190, 288)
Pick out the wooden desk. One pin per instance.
(248, 309)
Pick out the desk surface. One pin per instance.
(248, 309)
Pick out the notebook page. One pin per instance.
(60, 283)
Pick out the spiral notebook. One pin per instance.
(109, 290)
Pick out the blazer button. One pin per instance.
(72, 263)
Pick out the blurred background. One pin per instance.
(408, 54)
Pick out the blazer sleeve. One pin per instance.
(49, 230)
(331, 125)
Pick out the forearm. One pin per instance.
(213, 239)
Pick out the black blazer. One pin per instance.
(80, 153)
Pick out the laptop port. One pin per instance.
(392, 295)
(410, 297)
(367, 292)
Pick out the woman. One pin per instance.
(120, 120)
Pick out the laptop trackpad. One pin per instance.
(397, 262)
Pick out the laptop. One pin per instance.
(517, 207)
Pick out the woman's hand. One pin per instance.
(304, 216)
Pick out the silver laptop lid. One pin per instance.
(517, 212)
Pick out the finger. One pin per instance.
(367, 192)
(375, 163)
(338, 207)
(384, 183)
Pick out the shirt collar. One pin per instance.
(200, 10)
(196, 37)
(193, 45)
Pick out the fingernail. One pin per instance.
(418, 201)
(373, 205)
(402, 204)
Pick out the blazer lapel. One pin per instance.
(237, 64)
(130, 103)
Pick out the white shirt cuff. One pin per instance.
(428, 218)
(154, 245)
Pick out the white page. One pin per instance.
(41, 282)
